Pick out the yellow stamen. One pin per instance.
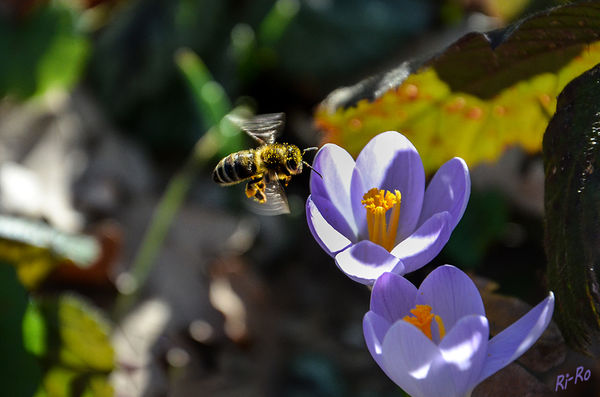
(377, 203)
(422, 319)
(441, 327)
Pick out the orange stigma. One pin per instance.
(422, 319)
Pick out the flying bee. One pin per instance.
(264, 167)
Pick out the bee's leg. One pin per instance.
(256, 188)
(285, 179)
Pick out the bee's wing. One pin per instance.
(276, 203)
(263, 127)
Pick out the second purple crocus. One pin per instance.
(434, 340)
(374, 215)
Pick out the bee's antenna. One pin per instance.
(309, 149)
(309, 166)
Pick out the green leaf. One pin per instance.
(66, 382)
(277, 20)
(45, 50)
(78, 335)
(482, 94)
(210, 98)
(34, 330)
(67, 335)
(19, 370)
(572, 202)
(544, 43)
(71, 338)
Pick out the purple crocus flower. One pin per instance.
(433, 341)
(374, 215)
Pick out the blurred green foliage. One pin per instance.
(277, 52)
(472, 238)
(41, 51)
(71, 339)
(330, 40)
(20, 372)
(51, 347)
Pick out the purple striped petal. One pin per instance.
(515, 340)
(464, 350)
(335, 166)
(451, 295)
(374, 329)
(326, 235)
(365, 261)
(357, 191)
(425, 243)
(393, 297)
(415, 363)
(448, 190)
(390, 161)
(334, 217)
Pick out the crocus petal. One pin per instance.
(451, 295)
(448, 190)
(464, 350)
(415, 363)
(326, 235)
(357, 191)
(425, 243)
(335, 166)
(515, 340)
(374, 329)
(390, 161)
(393, 297)
(334, 217)
(365, 261)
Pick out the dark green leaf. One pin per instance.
(572, 202)
(19, 370)
(498, 59)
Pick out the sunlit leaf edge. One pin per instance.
(443, 124)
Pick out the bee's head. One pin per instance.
(293, 160)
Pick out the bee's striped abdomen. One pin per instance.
(235, 168)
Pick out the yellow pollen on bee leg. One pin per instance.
(377, 202)
(422, 319)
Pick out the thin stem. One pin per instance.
(165, 212)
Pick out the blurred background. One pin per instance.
(131, 273)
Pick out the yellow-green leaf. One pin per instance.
(84, 335)
(484, 93)
(77, 354)
(65, 382)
